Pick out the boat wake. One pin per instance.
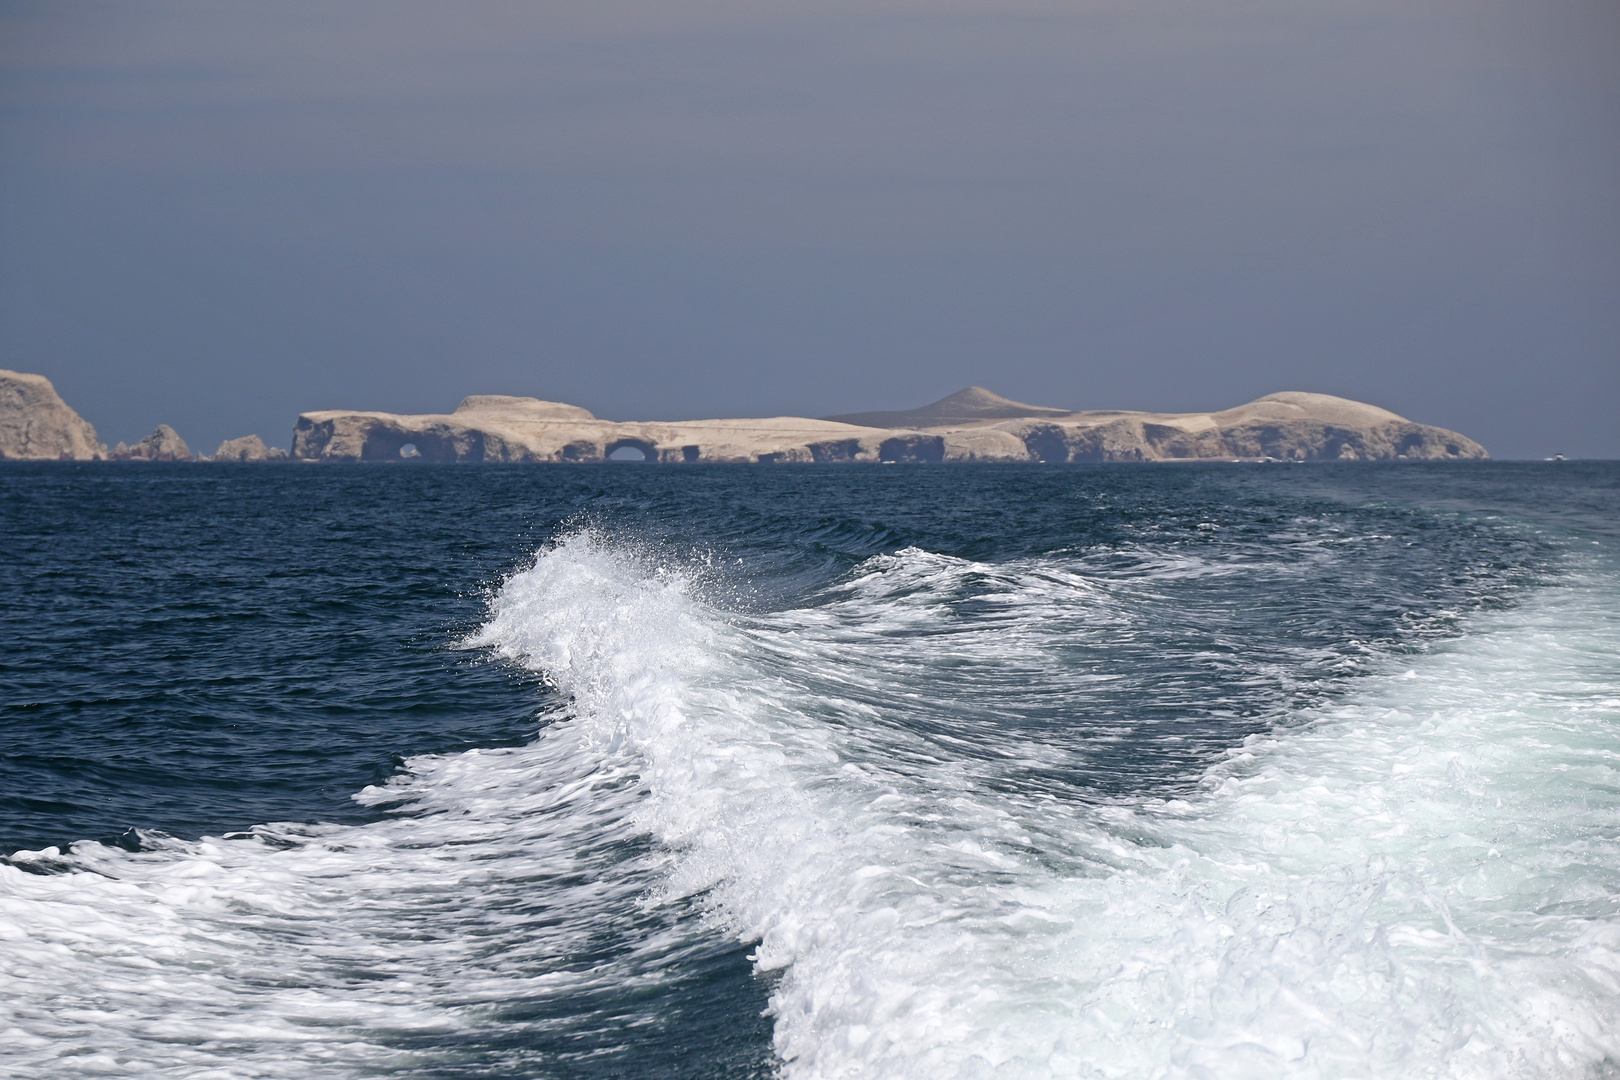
(878, 790)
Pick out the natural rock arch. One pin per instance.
(384, 443)
(647, 450)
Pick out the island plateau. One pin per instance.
(971, 425)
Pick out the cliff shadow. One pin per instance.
(386, 444)
(913, 448)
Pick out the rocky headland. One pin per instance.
(37, 425)
(972, 425)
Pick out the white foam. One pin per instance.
(1421, 881)
(327, 951)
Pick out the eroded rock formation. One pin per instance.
(972, 425)
(517, 429)
(249, 448)
(1290, 426)
(37, 425)
(164, 444)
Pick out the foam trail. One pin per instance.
(1422, 881)
(1418, 881)
(328, 951)
(450, 936)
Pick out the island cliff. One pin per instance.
(37, 425)
(972, 425)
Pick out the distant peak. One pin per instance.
(1322, 406)
(976, 401)
(965, 406)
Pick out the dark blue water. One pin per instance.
(193, 651)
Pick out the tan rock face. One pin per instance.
(37, 425)
(164, 444)
(972, 426)
(249, 448)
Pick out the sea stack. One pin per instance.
(249, 448)
(164, 444)
(37, 425)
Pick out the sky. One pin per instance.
(219, 214)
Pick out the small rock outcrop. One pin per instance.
(973, 425)
(164, 444)
(249, 448)
(37, 425)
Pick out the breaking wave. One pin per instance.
(1421, 880)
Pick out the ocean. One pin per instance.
(1129, 771)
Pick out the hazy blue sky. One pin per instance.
(219, 214)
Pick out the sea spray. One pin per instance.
(1339, 900)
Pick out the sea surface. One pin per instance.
(621, 771)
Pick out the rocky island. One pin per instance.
(972, 425)
(249, 449)
(164, 444)
(37, 425)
